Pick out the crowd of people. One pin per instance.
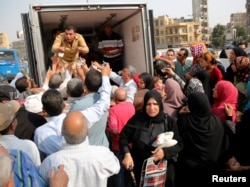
(89, 125)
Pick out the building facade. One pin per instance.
(19, 45)
(200, 15)
(174, 33)
(236, 19)
(4, 40)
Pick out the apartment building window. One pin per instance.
(190, 39)
(156, 23)
(161, 22)
(176, 31)
(184, 30)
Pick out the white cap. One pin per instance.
(33, 103)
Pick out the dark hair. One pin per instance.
(147, 79)
(241, 43)
(75, 87)
(239, 52)
(158, 66)
(54, 31)
(171, 50)
(70, 27)
(185, 51)
(4, 92)
(6, 130)
(93, 80)
(52, 101)
(21, 84)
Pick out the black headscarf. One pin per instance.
(239, 52)
(202, 132)
(157, 96)
(229, 75)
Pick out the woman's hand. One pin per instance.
(184, 110)
(158, 154)
(228, 109)
(128, 162)
(169, 71)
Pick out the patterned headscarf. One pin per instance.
(241, 62)
(198, 49)
(242, 65)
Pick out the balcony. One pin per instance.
(197, 32)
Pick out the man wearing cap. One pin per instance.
(8, 123)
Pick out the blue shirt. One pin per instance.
(97, 135)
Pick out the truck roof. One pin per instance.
(83, 16)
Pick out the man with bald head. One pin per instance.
(93, 82)
(86, 165)
(118, 117)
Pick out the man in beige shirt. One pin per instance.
(70, 44)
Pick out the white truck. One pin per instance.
(133, 21)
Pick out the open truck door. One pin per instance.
(32, 63)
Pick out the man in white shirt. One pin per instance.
(86, 165)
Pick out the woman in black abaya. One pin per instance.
(205, 143)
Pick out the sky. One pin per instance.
(219, 10)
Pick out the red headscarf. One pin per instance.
(227, 94)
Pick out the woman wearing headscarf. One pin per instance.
(175, 98)
(204, 143)
(242, 66)
(206, 81)
(191, 85)
(224, 92)
(142, 130)
(197, 49)
(231, 69)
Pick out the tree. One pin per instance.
(218, 35)
(241, 34)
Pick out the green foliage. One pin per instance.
(218, 35)
(241, 33)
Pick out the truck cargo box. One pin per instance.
(132, 21)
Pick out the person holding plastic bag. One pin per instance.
(142, 131)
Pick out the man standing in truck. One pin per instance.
(68, 45)
(111, 46)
